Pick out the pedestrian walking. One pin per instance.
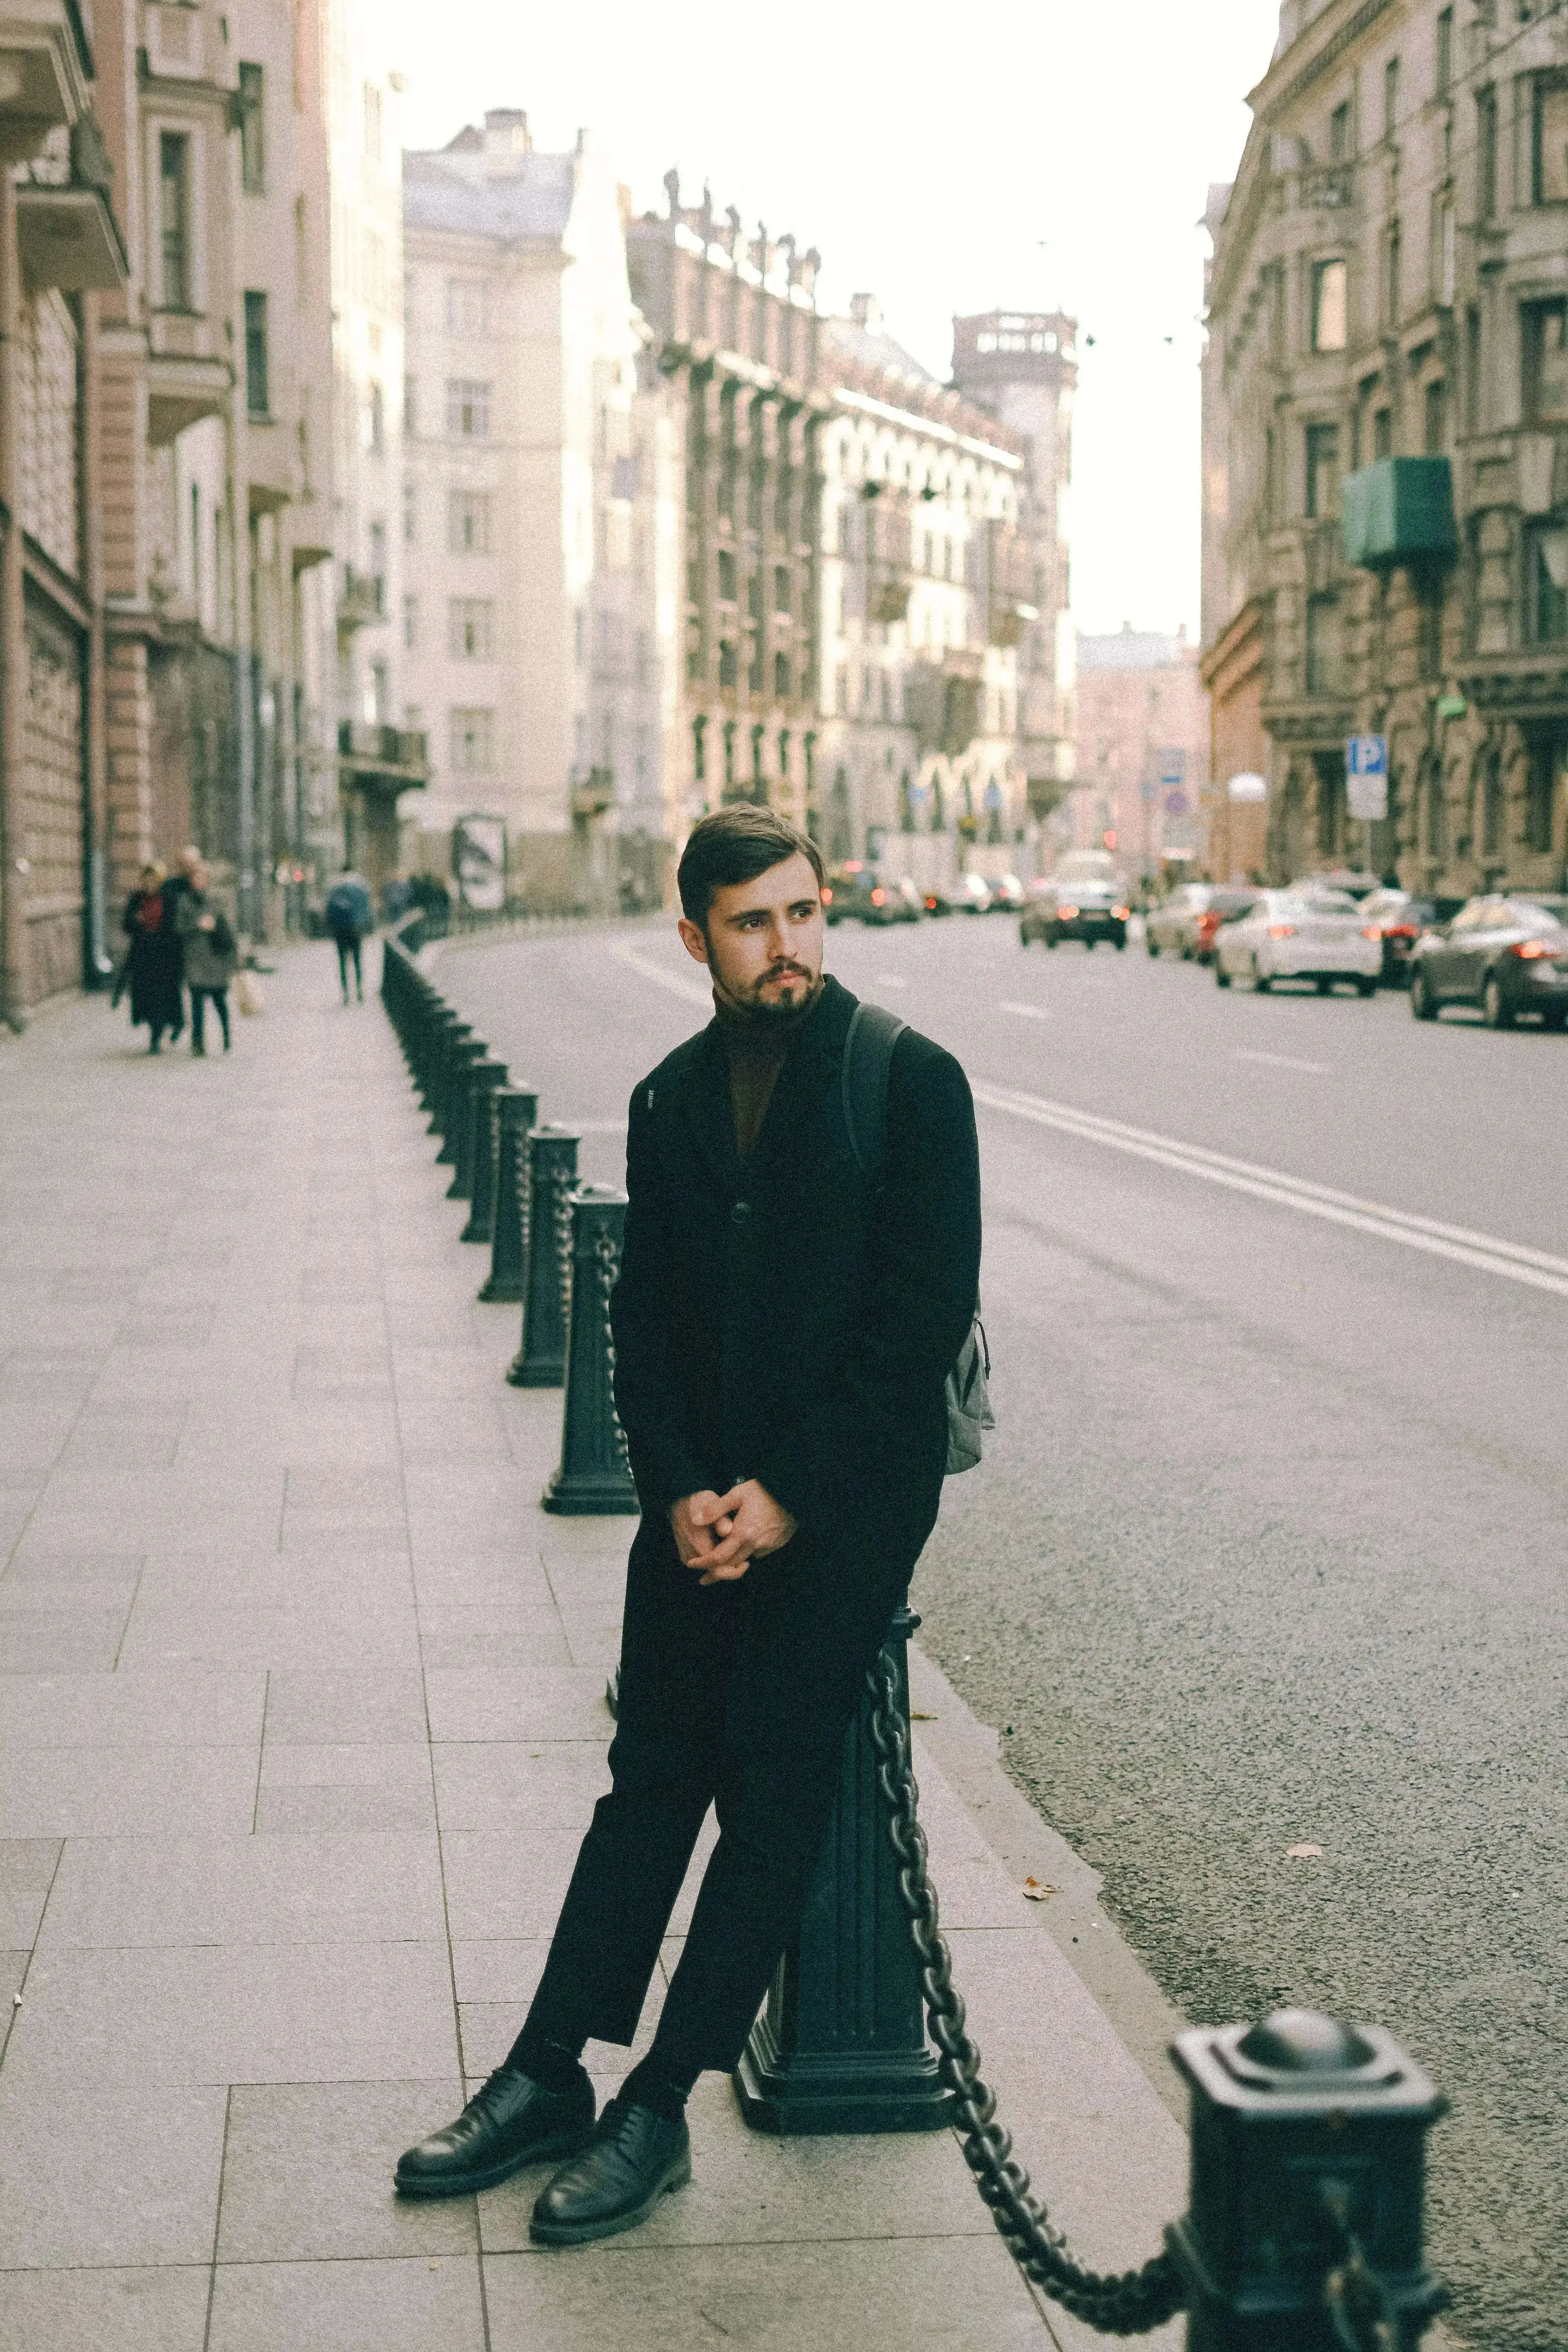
(783, 1334)
(349, 915)
(151, 966)
(212, 953)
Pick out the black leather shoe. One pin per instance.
(635, 2159)
(514, 2121)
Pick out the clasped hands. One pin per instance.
(721, 1535)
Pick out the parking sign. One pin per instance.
(1367, 777)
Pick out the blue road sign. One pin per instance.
(1366, 755)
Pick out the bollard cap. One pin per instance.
(1299, 2064)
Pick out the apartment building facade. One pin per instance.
(1142, 754)
(539, 557)
(1385, 439)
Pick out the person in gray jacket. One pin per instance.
(212, 955)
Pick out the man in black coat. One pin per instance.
(781, 1341)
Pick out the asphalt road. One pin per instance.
(1269, 1548)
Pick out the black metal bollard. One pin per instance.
(593, 1475)
(443, 1026)
(541, 1361)
(1308, 2155)
(512, 1111)
(466, 1051)
(841, 2045)
(453, 1034)
(481, 1080)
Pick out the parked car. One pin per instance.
(1008, 896)
(858, 889)
(1285, 935)
(1348, 880)
(1402, 917)
(1077, 907)
(1506, 951)
(1224, 904)
(1172, 924)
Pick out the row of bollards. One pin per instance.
(555, 1244)
(1303, 2231)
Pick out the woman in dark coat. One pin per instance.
(153, 960)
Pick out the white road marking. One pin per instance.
(1029, 1012)
(1284, 1062)
(640, 961)
(1539, 1269)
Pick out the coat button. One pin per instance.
(740, 1213)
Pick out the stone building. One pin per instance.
(1385, 438)
(538, 612)
(1142, 754)
(853, 581)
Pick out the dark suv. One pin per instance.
(1084, 907)
(1506, 951)
(862, 890)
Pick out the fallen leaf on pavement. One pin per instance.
(917, 1717)
(1037, 1889)
(1305, 1853)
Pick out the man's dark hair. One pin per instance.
(736, 844)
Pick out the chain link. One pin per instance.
(523, 1161)
(1127, 2303)
(1358, 2303)
(607, 1259)
(562, 1211)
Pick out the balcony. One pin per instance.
(45, 63)
(1398, 514)
(66, 230)
(389, 760)
(362, 601)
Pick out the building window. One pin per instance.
(1546, 584)
(1340, 134)
(728, 753)
(249, 106)
(375, 421)
(1323, 471)
(468, 628)
(1435, 434)
(699, 749)
(781, 677)
(468, 307)
(1473, 370)
(781, 588)
(729, 668)
(1546, 754)
(411, 622)
(1443, 257)
(1324, 645)
(1549, 140)
(1383, 433)
(468, 522)
(1492, 806)
(467, 409)
(471, 742)
(174, 219)
(1331, 305)
(377, 696)
(1444, 53)
(410, 406)
(378, 563)
(1486, 155)
(1545, 335)
(1391, 287)
(255, 401)
(1390, 97)
(726, 576)
(410, 514)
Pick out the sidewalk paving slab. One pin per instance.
(301, 1719)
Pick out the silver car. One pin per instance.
(1287, 936)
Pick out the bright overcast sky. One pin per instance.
(1029, 152)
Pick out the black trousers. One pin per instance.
(738, 1697)
(198, 1016)
(348, 947)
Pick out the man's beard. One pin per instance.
(765, 1017)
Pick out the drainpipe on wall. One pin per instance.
(13, 959)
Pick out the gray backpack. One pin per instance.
(867, 1062)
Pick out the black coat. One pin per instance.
(152, 962)
(772, 1321)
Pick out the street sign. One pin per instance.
(1367, 798)
(1367, 755)
(1172, 765)
(1175, 803)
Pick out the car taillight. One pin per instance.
(1400, 931)
(1371, 932)
(1066, 913)
(1529, 951)
(931, 902)
(878, 898)
(1281, 930)
(1122, 913)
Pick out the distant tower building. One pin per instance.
(1023, 368)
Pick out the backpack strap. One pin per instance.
(867, 1062)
